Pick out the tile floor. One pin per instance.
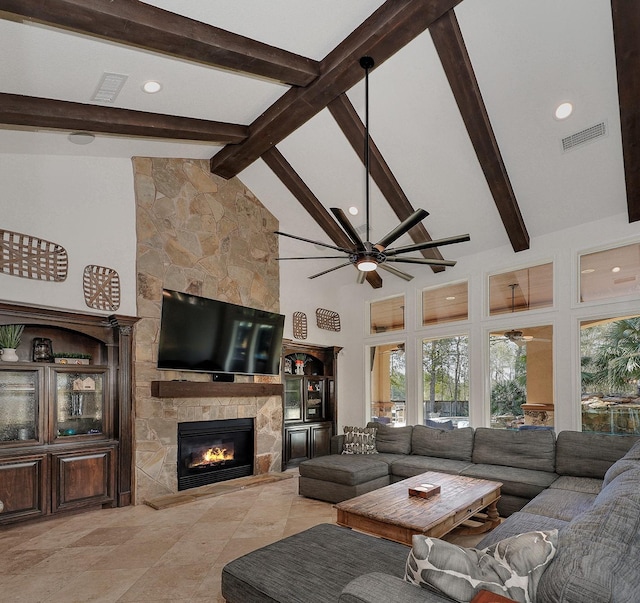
(139, 554)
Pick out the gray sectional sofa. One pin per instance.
(590, 493)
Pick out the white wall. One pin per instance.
(85, 204)
(561, 247)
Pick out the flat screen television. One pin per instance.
(212, 336)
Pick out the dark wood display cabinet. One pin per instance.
(309, 402)
(65, 426)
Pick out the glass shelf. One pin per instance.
(79, 403)
(19, 405)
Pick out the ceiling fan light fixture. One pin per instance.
(366, 264)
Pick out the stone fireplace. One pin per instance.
(202, 234)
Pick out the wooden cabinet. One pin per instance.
(65, 428)
(309, 401)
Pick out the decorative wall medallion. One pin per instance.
(101, 288)
(31, 257)
(299, 325)
(327, 319)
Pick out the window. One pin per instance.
(445, 379)
(388, 383)
(610, 274)
(521, 365)
(521, 290)
(610, 375)
(445, 304)
(387, 315)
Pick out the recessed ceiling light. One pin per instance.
(450, 297)
(151, 87)
(616, 269)
(563, 110)
(81, 137)
(587, 271)
(353, 210)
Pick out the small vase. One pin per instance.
(9, 355)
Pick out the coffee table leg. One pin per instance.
(489, 519)
(492, 513)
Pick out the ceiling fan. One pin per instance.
(516, 335)
(365, 255)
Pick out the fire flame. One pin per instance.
(213, 456)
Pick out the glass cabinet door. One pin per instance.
(19, 402)
(293, 399)
(79, 400)
(315, 408)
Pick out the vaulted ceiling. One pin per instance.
(462, 97)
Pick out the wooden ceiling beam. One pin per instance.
(386, 31)
(29, 111)
(452, 51)
(351, 125)
(626, 25)
(144, 26)
(290, 178)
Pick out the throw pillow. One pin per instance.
(511, 567)
(359, 440)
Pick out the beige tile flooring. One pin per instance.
(138, 554)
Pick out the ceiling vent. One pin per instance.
(584, 136)
(109, 87)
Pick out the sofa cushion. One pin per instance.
(529, 449)
(589, 454)
(348, 469)
(624, 464)
(392, 440)
(359, 440)
(560, 504)
(634, 452)
(312, 566)
(519, 523)
(408, 466)
(454, 444)
(518, 482)
(588, 485)
(598, 551)
(510, 568)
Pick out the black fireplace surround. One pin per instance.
(214, 451)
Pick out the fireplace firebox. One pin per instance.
(214, 451)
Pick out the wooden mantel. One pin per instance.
(212, 389)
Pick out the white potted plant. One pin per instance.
(10, 336)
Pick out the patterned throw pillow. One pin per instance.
(511, 567)
(359, 440)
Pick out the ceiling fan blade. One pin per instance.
(416, 217)
(347, 226)
(330, 270)
(400, 273)
(427, 245)
(374, 279)
(284, 234)
(315, 257)
(426, 261)
(361, 277)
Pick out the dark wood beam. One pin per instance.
(626, 25)
(351, 125)
(137, 24)
(386, 31)
(34, 112)
(452, 51)
(290, 178)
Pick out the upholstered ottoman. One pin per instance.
(338, 477)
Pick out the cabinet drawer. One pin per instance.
(22, 487)
(83, 478)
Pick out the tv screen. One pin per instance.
(211, 336)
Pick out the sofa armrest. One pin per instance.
(337, 443)
(384, 588)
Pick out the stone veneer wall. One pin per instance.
(207, 236)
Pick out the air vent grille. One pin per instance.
(109, 87)
(584, 136)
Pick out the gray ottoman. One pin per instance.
(313, 566)
(338, 477)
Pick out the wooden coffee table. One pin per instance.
(391, 513)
